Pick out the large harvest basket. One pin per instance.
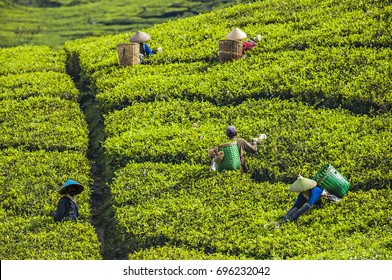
(229, 50)
(128, 54)
(231, 158)
(330, 179)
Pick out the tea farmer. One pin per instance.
(67, 209)
(243, 145)
(309, 195)
(239, 35)
(141, 38)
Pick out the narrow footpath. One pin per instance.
(102, 215)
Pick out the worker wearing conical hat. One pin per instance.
(67, 208)
(238, 34)
(141, 38)
(309, 193)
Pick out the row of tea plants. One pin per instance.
(162, 206)
(321, 52)
(44, 141)
(301, 138)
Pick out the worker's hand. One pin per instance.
(159, 49)
(260, 138)
(257, 38)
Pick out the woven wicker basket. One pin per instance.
(128, 54)
(330, 179)
(231, 159)
(229, 50)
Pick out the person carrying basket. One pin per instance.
(311, 192)
(145, 51)
(231, 155)
(239, 35)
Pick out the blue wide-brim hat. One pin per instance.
(79, 187)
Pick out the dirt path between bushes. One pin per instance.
(102, 215)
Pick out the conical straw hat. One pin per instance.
(140, 37)
(236, 34)
(302, 184)
(69, 183)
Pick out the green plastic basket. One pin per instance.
(231, 159)
(331, 180)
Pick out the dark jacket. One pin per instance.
(66, 209)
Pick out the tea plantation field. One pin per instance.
(318, 84)
(53, 22)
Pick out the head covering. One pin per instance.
(236, 34)
(231, 131)
(140, 37)
(79, 187)
(302, 184)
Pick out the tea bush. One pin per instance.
(38, 237)
(329, 77)
(36, 123)
(168, 252)
(24, 59)
(44, 83)
(324, 53)
(317, 84)
(228, 213)
(301, 138)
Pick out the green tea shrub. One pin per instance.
(355, 79)
(159, 206)
(43, 143)
(46, 123)
(318, 85)
(188, 197)
(39, 238)
(24, 59)
(79, 58)
(133, 182)
(301, 138)
(168, 252)
(31, 181)
(319, 53)
(44, 83)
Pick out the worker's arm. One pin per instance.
(245, 145)
(148, 50)
(212, 152)
(248, 45)
(314, 195)
(61, 208)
